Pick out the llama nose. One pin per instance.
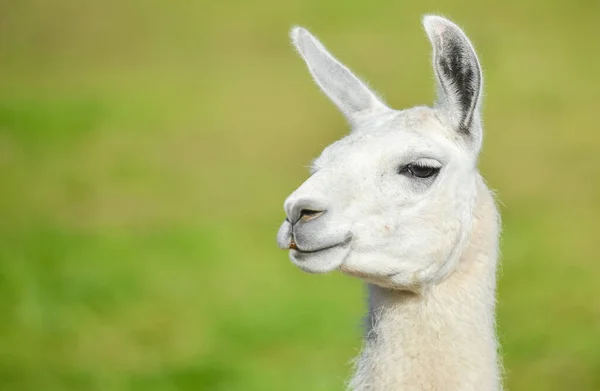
(303, 210)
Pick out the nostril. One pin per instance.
(304, 209)
(309, 214)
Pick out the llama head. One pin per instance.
(392, 202)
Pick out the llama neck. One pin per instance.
(443, 339)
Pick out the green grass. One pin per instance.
(146, 150)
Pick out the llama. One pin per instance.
(399, 203)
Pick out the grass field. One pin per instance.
(146, 149)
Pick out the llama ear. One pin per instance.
(354, 99)
(459, 78)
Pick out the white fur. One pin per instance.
(427, 247)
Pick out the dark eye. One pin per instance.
(420, 170)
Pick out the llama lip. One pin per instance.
(300, 251)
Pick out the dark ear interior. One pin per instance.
(458, 75)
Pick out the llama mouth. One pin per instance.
(298, 250)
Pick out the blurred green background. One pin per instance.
(146, 148)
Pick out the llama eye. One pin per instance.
(420, 170)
